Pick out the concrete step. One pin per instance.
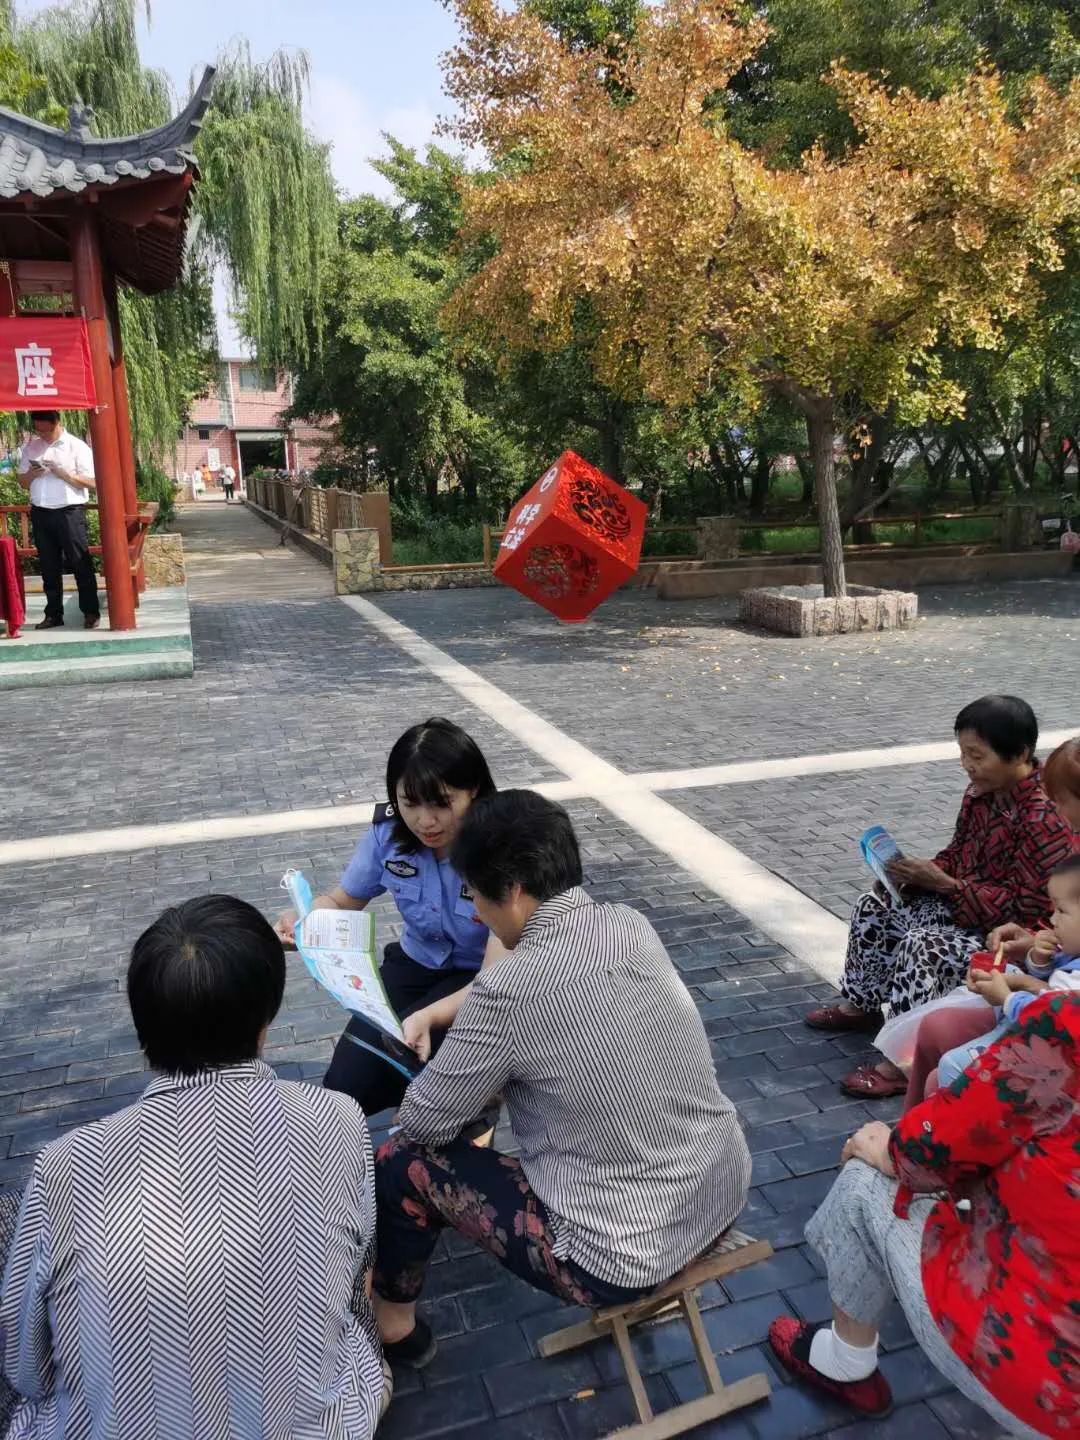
(79, 643)
(160, 664)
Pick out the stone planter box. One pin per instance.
(804, 610)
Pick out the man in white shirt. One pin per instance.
(228, 480)
(58, 470)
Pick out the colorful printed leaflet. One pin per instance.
(878, 849)
(338, 948)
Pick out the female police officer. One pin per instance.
(434, 773)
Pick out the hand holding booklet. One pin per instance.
(879, 849)
(338, 948)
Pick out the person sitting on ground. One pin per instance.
(987, 1276)
(944, 1030)
(434, 773)
(195, 1264)
(632, 1161)
(1008, 837)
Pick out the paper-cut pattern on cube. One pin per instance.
(572, 540)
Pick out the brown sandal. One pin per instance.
(869, 1084)
(834, 1017)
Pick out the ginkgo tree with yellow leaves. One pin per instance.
(620, 196)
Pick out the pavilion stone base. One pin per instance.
(805, 610)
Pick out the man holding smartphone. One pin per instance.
(58, 470)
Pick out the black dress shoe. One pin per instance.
(48, 624)
(416, 1350)
(91, 622)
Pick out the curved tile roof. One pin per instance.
(36, 159)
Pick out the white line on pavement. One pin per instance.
(742, 772)
(811, 933)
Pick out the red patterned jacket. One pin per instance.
(1001, 1274)
(1003, 850)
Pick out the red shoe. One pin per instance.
(835, 1018)
(868, 1083)
(790, 1340)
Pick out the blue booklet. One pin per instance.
(878, 849)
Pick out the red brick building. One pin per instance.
(240, 423)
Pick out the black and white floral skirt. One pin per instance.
(901, 956)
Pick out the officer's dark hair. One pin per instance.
(1004, 722)
(205, 979)
(428, 759)
(51, 415)
(517, 838)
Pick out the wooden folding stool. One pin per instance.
(734, 1251)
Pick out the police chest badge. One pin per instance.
(402, 869)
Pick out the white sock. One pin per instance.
(839, 1360)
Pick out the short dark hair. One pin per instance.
(51, 415)
(517, 838)
(427, 759)
(205, 979)
(1004, 722)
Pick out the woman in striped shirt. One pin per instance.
(631, 1162)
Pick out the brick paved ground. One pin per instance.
(295, 702)
(683, 685)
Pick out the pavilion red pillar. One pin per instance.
(120, 398)
(123, 410)
(9, 301)
(104, 440)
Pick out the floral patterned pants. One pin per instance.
(902, 955)
(482, 1195)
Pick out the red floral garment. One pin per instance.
(1002, 1278)
(1003, 849)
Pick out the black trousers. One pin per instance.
(61, 541)
(371, 1082)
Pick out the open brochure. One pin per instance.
(878, 849)
(338, 948)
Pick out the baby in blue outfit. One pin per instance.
(1053, 963)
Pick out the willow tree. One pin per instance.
(264, 210)
(700, 263)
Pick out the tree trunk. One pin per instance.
(806, 475)
(863, 471)
(759, 481)
(611, 441)
(975, 479)
(821, 432)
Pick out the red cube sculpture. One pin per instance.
(572, 540)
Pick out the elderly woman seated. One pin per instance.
(194, 1264)
(631, 1160)
(987, 1276)
(1009, 836)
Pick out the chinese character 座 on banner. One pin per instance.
(45, 364)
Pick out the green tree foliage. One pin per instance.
(264, 210)
(388, 370)
(782, 100)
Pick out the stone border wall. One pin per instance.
(797, 610)
(163, 561)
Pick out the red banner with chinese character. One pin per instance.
(45, 364)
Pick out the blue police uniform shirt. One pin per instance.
(442, 930)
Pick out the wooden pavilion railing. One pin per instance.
(138, 526)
